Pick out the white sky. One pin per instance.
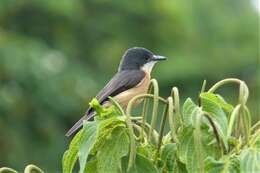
(256, 4)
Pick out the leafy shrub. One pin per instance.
(212, 136)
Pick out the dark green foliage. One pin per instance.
(143, 164)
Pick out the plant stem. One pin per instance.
(243, 125)
(162, 125)
(203, 86)
(144, 114)
(132, 154)
(10, 170)
(254, 138)
(247, 123)
(197, 140)
(223, 82)
(255, 126)
(32, 168)
(176, 101)
(139, 129)
(155, 135)
(130, 126)
(232, 119)
(171, 120)
(155, 87)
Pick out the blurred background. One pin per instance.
(56, 55)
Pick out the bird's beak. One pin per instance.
(158, 58)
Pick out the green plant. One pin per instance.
(209, 137)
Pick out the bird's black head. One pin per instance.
(139, 58)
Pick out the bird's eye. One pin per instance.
(146, 58)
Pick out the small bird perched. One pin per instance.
(133, 78)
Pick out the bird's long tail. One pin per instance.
(78, 124)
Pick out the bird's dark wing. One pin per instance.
(122, 81)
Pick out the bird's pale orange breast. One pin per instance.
(124, 97)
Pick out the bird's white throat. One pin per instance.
(148, 66)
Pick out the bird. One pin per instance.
(132, 78)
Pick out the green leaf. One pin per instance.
(189, 109)
(171, 162)
(91, 167)
(168, 156)
(217, 99)
(250, 159)
(110, 154)
(87, 141)
(143, 165)
(147, 150)
(168, 150)
(105, 130)
(179, 167)
(112, 122)
(224, 165)
(214, 108)
(187, 148)
(70, 156)
(186, 141)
